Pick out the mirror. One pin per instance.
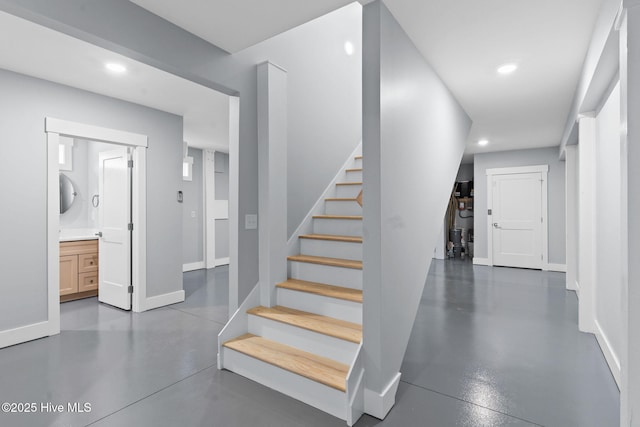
(67, 193)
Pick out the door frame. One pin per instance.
(54, 128)
(543, 170)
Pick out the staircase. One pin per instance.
(307, 345)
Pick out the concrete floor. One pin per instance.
(490, 347)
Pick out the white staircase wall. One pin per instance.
(318, 304)
(331, 249)
(414, 134)
(306, 226)
(337, 276)
(354, 176)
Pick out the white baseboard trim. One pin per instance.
(561, 268)
(193, 266)
(379, 404)
(24, 333)
(222, 261)
(164, 299)
(609, 353)
(480, 261)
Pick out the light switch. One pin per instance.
(250, 222)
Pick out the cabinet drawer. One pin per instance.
(87, 263)
(87, 282)
(78, 247)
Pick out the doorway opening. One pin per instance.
(123, 241)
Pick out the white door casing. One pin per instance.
(517, 225)
(114, 219)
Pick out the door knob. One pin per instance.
(495, 225)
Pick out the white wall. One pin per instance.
(556, 195)
(414, 134)
(324, 94)
(608, 282)
(24, 104)
(192, 212)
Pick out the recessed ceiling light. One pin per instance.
(349, 48)
(483, 142)
(115, 67)
(507, 68)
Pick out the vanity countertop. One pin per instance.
(71, 234)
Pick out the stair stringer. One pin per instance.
(306, 226)
(238, 324)
(355, 388)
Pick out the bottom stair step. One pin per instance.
(319, 369)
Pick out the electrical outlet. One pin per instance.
(250, 222)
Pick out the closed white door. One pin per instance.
(517, 220)
(115, 217)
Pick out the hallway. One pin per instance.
(490, 347)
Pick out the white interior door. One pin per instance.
(115, 217)
(517, 220)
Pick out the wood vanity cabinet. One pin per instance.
(78, 269)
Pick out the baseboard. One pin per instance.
(561, 268)
(222, 261)
(379, 404)
(609, 353)
(164, 299)
(24, 333)
(193, 266)
(480, 261)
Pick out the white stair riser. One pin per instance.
(331, 249)
(354, 176)
(312, 342)
(332, 307)
(348, 191)
(339, 227)
(357, 164)
(334, 207)
(337, 276)
(325, 398)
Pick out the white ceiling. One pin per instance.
(30, 49)
(238, 24)
(464, 40)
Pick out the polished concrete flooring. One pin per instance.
(490, 347)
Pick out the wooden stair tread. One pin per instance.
(331, 291)
(354, 170)
(319, 369)
(358, 157)
(329, 326)
(341, 199)
(348, 183)
(355, 217)
(333, 262)
(332, 237)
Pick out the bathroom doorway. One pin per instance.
(126, 261)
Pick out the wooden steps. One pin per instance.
(354, 217)
(341, 199)
(354, 170)
(332, 262)
(338, 292)
(332, 238)
(319, 369)
(348, 183)
(329, 326)
(358, 157)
